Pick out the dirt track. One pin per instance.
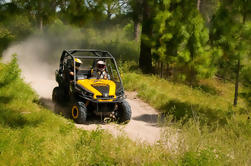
(39, 73)
(142, 127)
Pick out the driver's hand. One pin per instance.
(71, 73)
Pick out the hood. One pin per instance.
(100, 88)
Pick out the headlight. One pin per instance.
(85, 93)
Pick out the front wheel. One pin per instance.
(124, 112)
(79, 112)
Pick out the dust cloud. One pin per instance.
(38, 55)
(37, 62)
(38, 58)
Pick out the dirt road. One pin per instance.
(142, 127)
(38, 70)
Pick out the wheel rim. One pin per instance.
(75, 112)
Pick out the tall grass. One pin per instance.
(32, 135)
(202, 125)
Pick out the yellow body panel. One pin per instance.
(105, 100)
(89, 83)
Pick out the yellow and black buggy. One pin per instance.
(85, 94)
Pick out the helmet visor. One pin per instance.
(101, 66)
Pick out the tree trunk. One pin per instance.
(136, 30)
(109, 13)
(161, 70)
(145, 59)
(41, 24)
(238, 69)
(198, 4)
(237, 83)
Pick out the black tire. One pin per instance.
(58, 95)
(124, 112)
(79, 112)
(57, 108)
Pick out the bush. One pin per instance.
(5, 38)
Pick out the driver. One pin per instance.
(78, 62)
(101, 70)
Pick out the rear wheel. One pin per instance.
(124, 112)
(57, 108)
(79, 112)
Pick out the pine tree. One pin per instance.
(145, 59)
(135, 13)
(41, 11)
(181, 40)
(229, 33)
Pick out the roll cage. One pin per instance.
(96, 54)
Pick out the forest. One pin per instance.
(180, 40)
(189, 59)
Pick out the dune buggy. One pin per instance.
(86, 95)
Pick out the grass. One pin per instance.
(181, 100)
(201, 122)
(33, 135)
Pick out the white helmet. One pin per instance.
(101, 65)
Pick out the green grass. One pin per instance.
(201, 122)
(212, 100)
(33, 135)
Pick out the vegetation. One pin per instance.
(204, 117)
(36, 136)
(183, 40)
(177, 40)
(114, 39)
(197, 55)
(198, 133)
